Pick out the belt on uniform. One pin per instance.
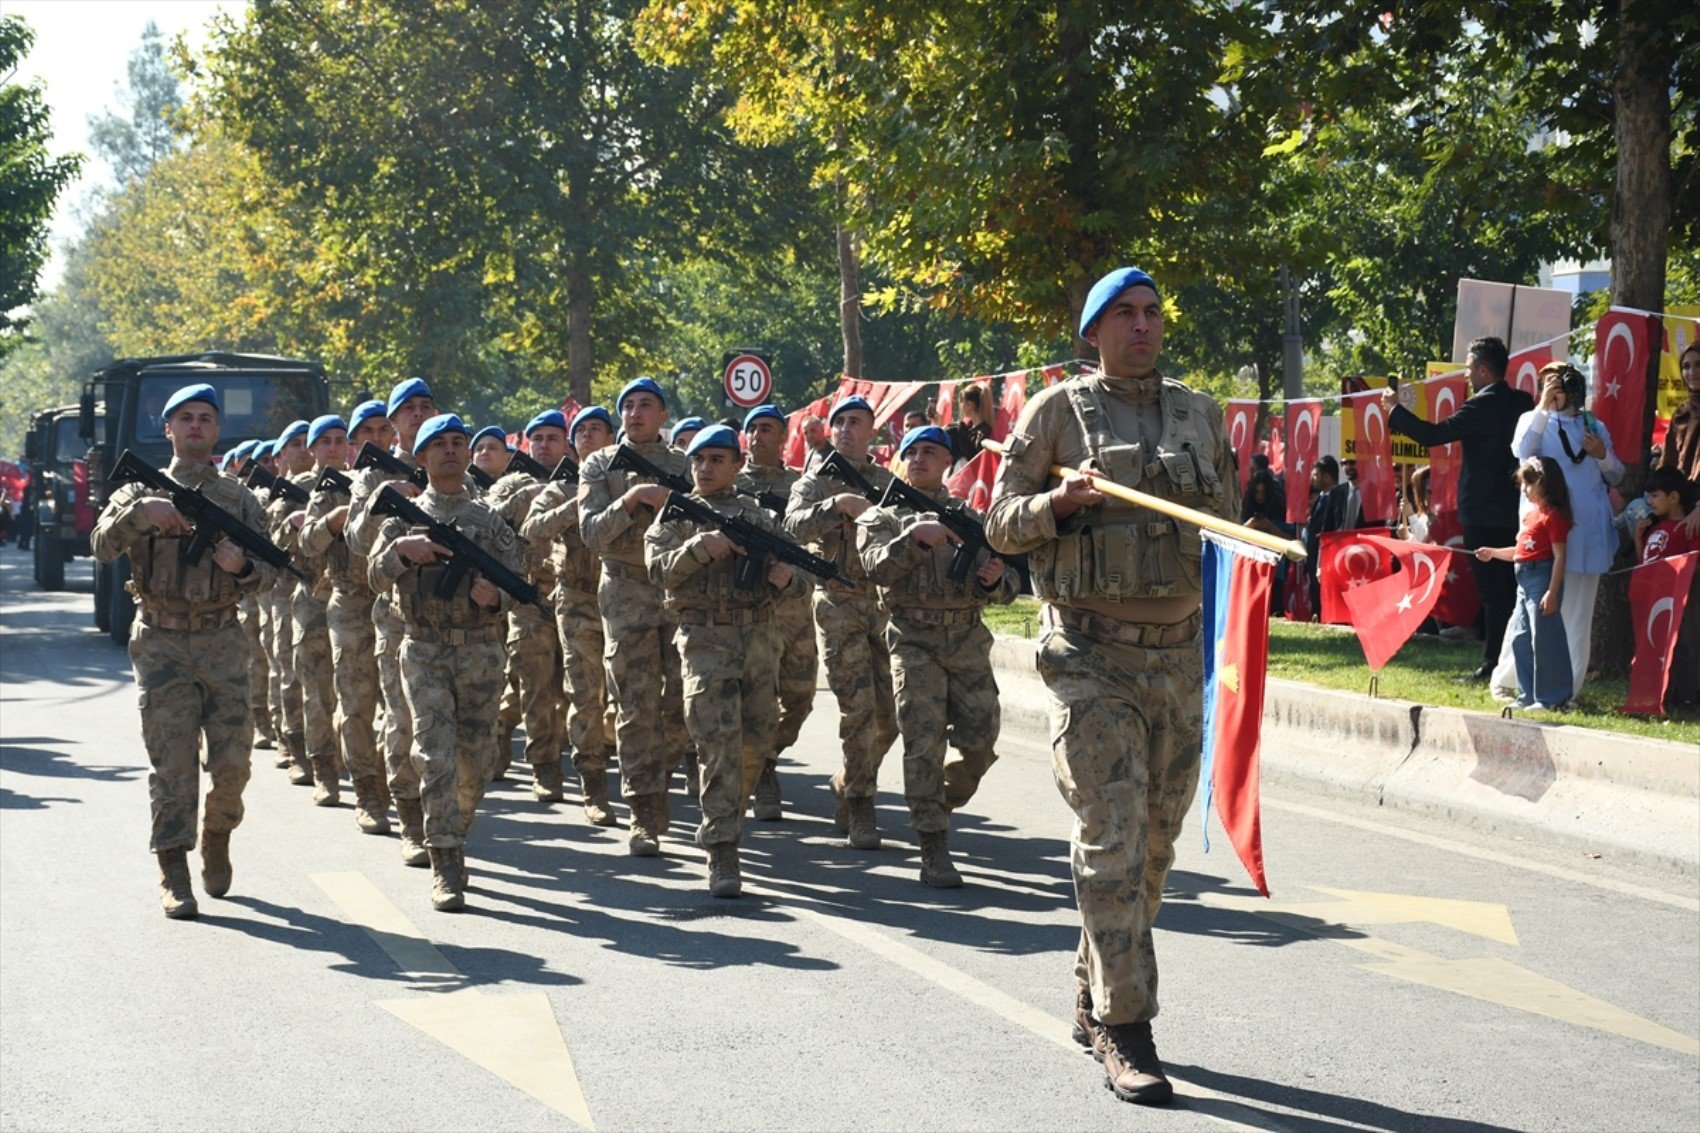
(725, 617)
(960, 617)
(1122, 633)
(476, 635)
(618, 569)
(192, 623)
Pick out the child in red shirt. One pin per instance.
(1538, 641)
(1664, 536)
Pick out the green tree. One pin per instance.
(132, 142)
(65, 346)
(32, 182)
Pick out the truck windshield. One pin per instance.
(254, 405)
(68, 444)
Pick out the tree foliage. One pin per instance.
(131, 142)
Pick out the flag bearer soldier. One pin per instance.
(1119, 650)
(728, 657)
(188, 651)
(941, 650)
(451, 649)
(553, 519)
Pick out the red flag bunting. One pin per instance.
(1276, 446)
(1053, 374)
(1622, 345)
(1658, 595)
(1011, 402)
(1346, 561)
(1459, 602)
(1374, 455)
(1304, 424)
(946, 403)
(1445, 396)
(1523, 371)
(1240, 419)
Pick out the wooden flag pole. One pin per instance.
(1291, 548)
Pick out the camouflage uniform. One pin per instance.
(534, 645)
(643, 660)
(852, 630)
(292, 708)
(590, 729)
(1119, 651)
(940, 653)
(451, 663)
(190, 658)
(259, 669)
(793, 626)
(312, 652)
(354, 662)
(728, 660)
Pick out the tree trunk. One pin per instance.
(579, 362)
(849, 302)
(1265, 394)
(1640, 241)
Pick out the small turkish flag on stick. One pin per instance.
(1658, 595)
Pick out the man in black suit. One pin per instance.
(1487, 493)
(1328, 512)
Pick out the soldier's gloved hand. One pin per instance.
(718, 546)
(932, 533)
(419, 549)
(167, 519)
(485, 593)
(229, 557)
(779, 575)
(991, 573)
(850, 504)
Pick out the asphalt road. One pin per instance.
(1407, 976)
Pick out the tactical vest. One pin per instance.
(159, 577)
(1118, 551)
(416, 592)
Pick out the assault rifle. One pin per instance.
(480, 477)
(628, 459)
(566, 471)
(964, 526)
(333, 480)
(210, 521)
(767, 499)
(464, 554)
(273, 484)
(835, 465)
(528, 464)
(371, 456)
(759, 546)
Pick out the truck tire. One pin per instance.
(103, 596)
(121, 605)
(49, 562)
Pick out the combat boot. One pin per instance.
(841, 805)
(1086, 1030)
(411, 814)
(448, 887)
(546, 782)
(283, 759)
(326, 790)
(724, 879)
(645, 838)
(264, 742)
(300, 770)
(1132, 1070)
(215, 862)
(595, 785)
(937, 870)
(371, 809)
(176, 894)
(769, 806)
(864, 831)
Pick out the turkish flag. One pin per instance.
(569, 409)
(973, 481)
(1623, 343)
(946, 403)
(1304, 423)
(1296, 602)
(1053, 374)
(1523, 371)
(1446, 395)
(1240, 419)
(1347, 560)
(1010, 404)
(1658, 595)
(1374, 455)
(1459, 601)
(1385, 613)
(1276, 448)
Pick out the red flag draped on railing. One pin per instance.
(1623, 341)
(1374, 455)
(1240, 420)
(1304, 424)
(1385, 613)
(1658, 595)
(1346, 561)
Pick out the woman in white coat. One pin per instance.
(1561, 428)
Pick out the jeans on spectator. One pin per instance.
(1495, 584)
(1538, 641)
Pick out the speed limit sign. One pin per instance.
(748, 378)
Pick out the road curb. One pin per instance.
(1619, 795)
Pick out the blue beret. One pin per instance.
(436, 427)
(591, 413)
(191, 393)
(761, 411)
(412, 387)
(639, 385)
(854, 401)
(262, 450)
(715, 436)
(931, 433)
(294, 429)
(365, 411)
(323, 425)
(1104, 292)
(496, 431)
(685, 426)
(548, 419)
(240, 452)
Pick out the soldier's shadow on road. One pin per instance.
(310, 932)
(1183, 912)
(34, 755)
(1315, 1111)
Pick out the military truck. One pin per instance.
(58, 492)
(121, 409)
